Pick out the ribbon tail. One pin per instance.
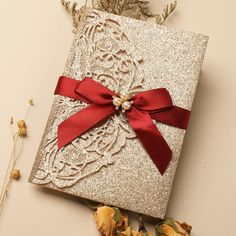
(175, 116)
(81, 122)
(151, 138)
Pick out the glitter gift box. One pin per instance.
(108, 164)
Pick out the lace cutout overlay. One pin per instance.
(101, 50)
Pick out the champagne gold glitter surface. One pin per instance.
(108, 164)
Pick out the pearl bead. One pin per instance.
(126, 105)
(116, 101)
(124, 96)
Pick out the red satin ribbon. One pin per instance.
(152, 104)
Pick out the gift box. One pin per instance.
(121, 109)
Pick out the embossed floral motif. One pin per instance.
(108, 50)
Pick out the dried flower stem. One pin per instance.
(19, 135)
(7, 179)
(27, 112)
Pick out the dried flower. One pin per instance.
(170, 227)
(15, 174)
(31, 102)
(22, 131)
(104, 217)
(110, 222)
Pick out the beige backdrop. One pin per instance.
(35, 38)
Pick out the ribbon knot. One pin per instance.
(139, 110)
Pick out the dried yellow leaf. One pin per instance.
(104, 217)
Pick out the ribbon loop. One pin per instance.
(153, 100)
(94, 92)
(153, 104)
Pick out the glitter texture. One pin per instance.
(108, 164)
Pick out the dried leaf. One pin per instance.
(170, 222)
(117, 216)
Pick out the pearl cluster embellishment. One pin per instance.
(122, 101)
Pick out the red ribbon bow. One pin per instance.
(152, 104)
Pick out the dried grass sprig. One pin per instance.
(70, 7)
(167, 11)
(12, 173)
(138, 9)
(75, 11)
